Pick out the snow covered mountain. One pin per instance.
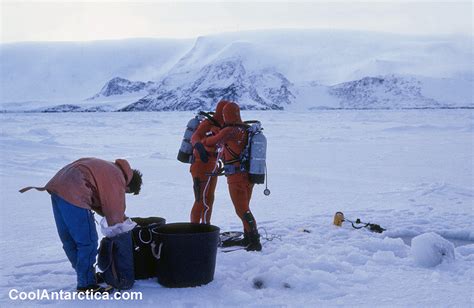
(224, 79)
(285, 69)
(120, 86)
(75, 108)
(271, 90)
(393, 92)
(382, 92)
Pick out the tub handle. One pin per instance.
(156, 255)
(141, 239)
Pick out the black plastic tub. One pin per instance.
(186, 254)
(144, 262)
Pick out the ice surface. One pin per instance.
(410, 181)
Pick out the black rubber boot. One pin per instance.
(254, 242)
(253, 236)
(237, 242)
(95, 288)
(99, 277)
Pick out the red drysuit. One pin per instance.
(205, 185)
(233, 138)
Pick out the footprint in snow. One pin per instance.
(41, 263)
(258, 284)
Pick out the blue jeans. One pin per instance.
(77, 232)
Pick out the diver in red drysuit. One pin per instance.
(203, 165)
(233, 138)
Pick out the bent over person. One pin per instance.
(233, 139)
(203, 165)
(82, 186)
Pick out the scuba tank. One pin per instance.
(186, 150)
(256, 153)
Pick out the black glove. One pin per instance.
(202, 152)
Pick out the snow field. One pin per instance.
(409, 171)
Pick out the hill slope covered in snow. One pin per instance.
(285, 69)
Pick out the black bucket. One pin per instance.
(186, 254)
(142, 235)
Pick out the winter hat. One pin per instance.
(126, 170)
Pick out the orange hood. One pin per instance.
(218, 115)
(231, 114)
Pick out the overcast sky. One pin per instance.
(97, 20)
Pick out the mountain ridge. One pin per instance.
(303, 69)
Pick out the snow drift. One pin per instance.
(430, 249)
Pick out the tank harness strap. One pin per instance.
(232, 161)
(208, 116)
(236, 157)
(243, 125)
(230, 166)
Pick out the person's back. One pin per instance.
(96, 184)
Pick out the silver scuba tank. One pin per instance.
(258, 153)
(186, 149)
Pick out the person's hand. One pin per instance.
(201, 151)
(214, 130)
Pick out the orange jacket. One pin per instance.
(93, 183)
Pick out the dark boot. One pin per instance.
(254, 242)
(236, 242)
(99, 277)
(253, 236)
(95, 288)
